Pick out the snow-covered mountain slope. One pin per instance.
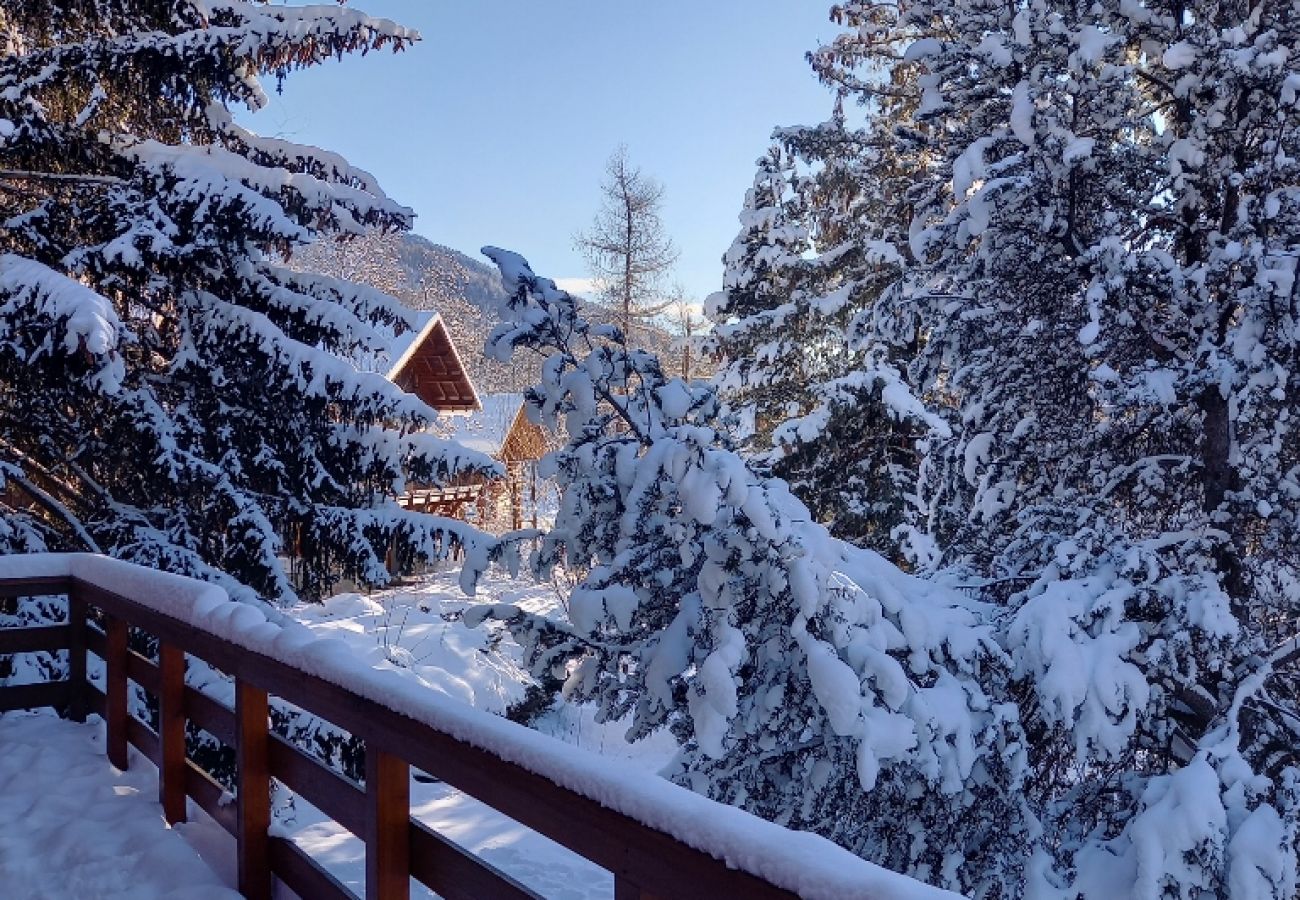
(465, 292)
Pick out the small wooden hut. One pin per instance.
(501, 429)
(425, 363)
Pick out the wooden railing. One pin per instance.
(645, 861)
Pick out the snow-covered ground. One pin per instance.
(413, 630)
(76, 827)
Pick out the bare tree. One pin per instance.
(626, 248)
(686, 318)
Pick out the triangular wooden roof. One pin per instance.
(431, 369)
(501, 429)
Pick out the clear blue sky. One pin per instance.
(496, 127)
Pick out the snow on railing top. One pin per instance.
(796, 861)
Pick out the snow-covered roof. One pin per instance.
(400, 348)
(487, 429)
(425, 362)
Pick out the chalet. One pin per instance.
(426, 363)
(502, 430)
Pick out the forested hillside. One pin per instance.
(465, 292)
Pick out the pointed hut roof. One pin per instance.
(501, 429)
(425, 363)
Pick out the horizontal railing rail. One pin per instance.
(645, 861)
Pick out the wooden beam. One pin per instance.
(115, 686)
(340, 798)
(626, 890)
(388, 822)
(171, 732)
(252, 715)
(34, 696)
(34, 638)
(77, 629)
(42, 586)
(212, 798)
(303, 875)
(454, 873)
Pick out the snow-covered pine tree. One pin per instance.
(831, 416)
(756, 325)
(172, 395)
(1102, 260)
(852, 456)
(808, 680)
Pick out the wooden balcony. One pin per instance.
(647, 834)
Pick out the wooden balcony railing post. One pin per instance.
(388, 826)
(254, 785)
(115, 699)
(77, 656)
(171, 732)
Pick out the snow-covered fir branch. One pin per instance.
(808, 680)
(175, 396)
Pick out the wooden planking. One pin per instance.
(35, 587)
(35, 638)
(303, 875)
(252, 719)
(454, 873)
(35, 696)
(342, 799)
(388, 823)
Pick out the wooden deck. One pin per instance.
(646, 863)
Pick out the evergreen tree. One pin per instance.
(808, 680)
(828, 413)
(1102, 261)
(756, 326)
(852, 456)
(172, 395)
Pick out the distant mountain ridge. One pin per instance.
(466, 293)
(477, 282)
